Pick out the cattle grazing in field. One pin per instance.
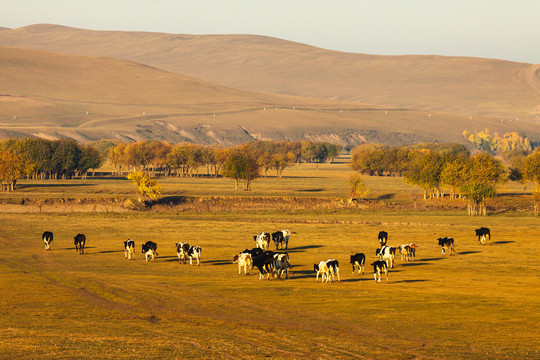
(446, 243)
(244, 261)
(194, 252)
(383, 238)
(333, 269)
(262, 240)
(47, 239)
(359, 260)
(281, 264)
(482, 233)
(281, 237)
(264, 263)
(129, 249)
(79, 241)
(408, 252)
(149, 249)
(387, 253)
(182, 251)
(379, 267)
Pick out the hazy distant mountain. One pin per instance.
(503, 89)
(55, 95)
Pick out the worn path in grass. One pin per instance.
(481, 303)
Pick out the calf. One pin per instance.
(379, 267)
(80, 241)
(47, 239)
(333, 269)
(129, 249)
(383, 238)
(322, 269)
(244, 261)
(408, 251)
(482, 233)
(194, 252)
(182, 251)
(264, 262)
(262, 240)
(359, 260)
(446, 243)
(281, 264)
(149, 249)
(387, 253)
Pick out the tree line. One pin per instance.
(45, 159)
(439, 167)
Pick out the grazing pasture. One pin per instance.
(481, 303)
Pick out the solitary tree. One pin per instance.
(241, 165)
(147, 186)
(358, 188)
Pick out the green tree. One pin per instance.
(425, 171)
(241, 165)
(147, 186)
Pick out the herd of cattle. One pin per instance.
(277, 263)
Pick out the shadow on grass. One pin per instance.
(73, 248)
(28, 186)
(409, 281)
(468, 252)
(385, 197)
(166, 200)
(109, 251)
(502, 242)
(311, 190)
(219, 262)
(416, 263)
(432, 259)
(303, 248)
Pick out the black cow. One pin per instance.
(383, 238)
(379, 267)
(254, 252)
(79, 241)
(129, 249)
(47, 239)
(359, 260)
(149, 249)
(448, 243)
(281, 237)
(264, 263)
(482, 233)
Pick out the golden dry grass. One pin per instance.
(479, 304)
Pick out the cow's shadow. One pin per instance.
(219, 262)
(409, 281)
(303, 248)
(503, 242)
(468, 252)
(416, 263)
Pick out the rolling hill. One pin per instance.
(475, 86)
(55, 95)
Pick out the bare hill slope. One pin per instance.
(476, 86)
(56, 95)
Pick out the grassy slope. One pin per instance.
(450, 84)
(49, 94)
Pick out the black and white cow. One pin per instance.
(383, 238)
(47, 239)
(446, 243)
(244, 261)
(262, 240)
(79, 241)
(328, 270)
(264, 263)
(149, 249)
(281, 237)
(387, 253)
(482, 233)
(281, 264)
(182, 251)
(129, 249)
(194, 252)
(359, 260)
(379, 267)
(408, 252)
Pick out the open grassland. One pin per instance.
(479, 304)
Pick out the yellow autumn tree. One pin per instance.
(147, 186)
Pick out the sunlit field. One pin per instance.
(481, 303)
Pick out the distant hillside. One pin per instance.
(54, 95)
(475, 86)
